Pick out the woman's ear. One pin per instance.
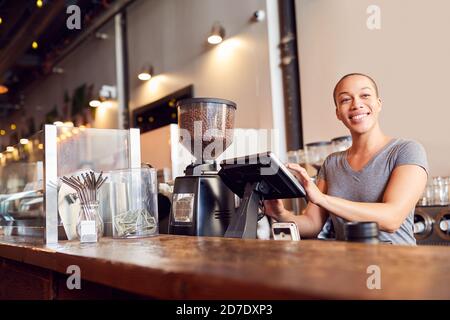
(380, 104)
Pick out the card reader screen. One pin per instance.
(282, 233)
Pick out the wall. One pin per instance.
(408, 57)
(91, 63)
(171, 35)
(237, 69)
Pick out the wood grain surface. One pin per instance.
(179, 267)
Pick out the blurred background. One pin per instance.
(121, 64)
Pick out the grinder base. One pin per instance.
(202, 206)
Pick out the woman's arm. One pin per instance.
(404, 188)
(309, 223)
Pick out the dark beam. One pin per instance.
(28, 61)
(11, 16)
(30, 31)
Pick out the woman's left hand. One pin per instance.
(312, 191)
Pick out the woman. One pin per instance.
(378, 178)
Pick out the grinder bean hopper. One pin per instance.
(202, 205)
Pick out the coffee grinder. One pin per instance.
(202, 205)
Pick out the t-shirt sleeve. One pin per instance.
(412, 152)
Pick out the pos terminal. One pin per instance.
(255, 178)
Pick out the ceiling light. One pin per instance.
(2, 132)
(9, 149)
(146, 73)
(58, 123)
(39, 3)
(13, 126)
(105, 93)
(95, 103)
(3, 89)
(217, 34)
(34, 45)
(23, 141)
(144, 76)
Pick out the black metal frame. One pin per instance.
(290, 74)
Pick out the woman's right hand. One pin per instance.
(275, 209)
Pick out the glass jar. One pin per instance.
(429, 191)
(292, 156)
(341, 143)
(130, 196)
(317, 152)
(90, 223)
(440, 187)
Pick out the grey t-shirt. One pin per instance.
(368, 184)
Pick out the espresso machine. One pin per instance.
(202, 205)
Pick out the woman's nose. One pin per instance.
(356, 104)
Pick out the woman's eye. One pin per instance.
(366, 95)
(345, 100)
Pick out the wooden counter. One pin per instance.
(178, 267)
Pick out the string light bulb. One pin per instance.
(3, 89)
(39, 3)
(34, 45)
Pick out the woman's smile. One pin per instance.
(358, 117)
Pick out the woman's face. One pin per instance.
(357, 103)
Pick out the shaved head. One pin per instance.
(350, 75)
